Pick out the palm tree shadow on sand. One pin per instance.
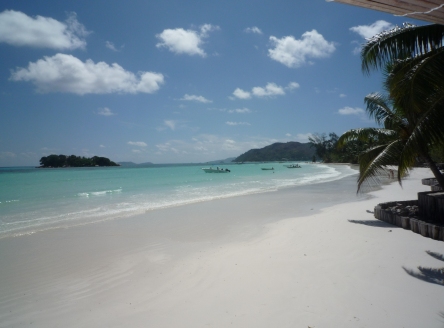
(431, 275)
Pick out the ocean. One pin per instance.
(33, 199)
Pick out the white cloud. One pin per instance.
(241, 94)
(201, 99)
(351, 111)
(342, 95)
(137, 143)
(111, 46)
(292, 85)
(237, 123)
(170, 124)
(368, 31)
(288, 135)
(18, 29)
(105, 111)
(294, 53)
(271, 89)
(240, 110)
(102, 146)
(187, 42)
(253, 29)
(302, 137)
(66, 73)
(137, 151)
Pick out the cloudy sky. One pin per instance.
(167, 81)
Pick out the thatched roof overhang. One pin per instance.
(430, 10)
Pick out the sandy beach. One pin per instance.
(298, 257)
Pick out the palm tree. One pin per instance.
(384, 144)
(413, 57)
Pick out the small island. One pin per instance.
(53, 161)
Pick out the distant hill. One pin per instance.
(221, 161)
(279, 151)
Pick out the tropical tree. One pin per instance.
(413, 58)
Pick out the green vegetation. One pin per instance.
(412, 113)
(327, 150)
(289, 151)
(74, 161)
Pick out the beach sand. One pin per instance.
(298, 257)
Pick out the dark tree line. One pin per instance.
(74, 161)
(327, 150)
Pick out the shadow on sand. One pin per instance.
(374, 223)
(431, 275)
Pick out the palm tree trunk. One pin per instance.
(438, 175)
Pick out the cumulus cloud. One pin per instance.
(201, 99)
(241, 94)
(137, 143)
(181, 41)
(105, 111)
(66, 73)
(240, 111)
(368, 31)
(237, 123)
(18, 29)
(270, 90)
(351, 111)
(294, 53)
(254, 29)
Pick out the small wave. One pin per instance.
(98, 193)
(9, 201)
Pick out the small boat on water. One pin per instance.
(267, 168)
(216, 170)
(293, 166)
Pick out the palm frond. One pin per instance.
(399, 43)
(376, 159)
(365, 135)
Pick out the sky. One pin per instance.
(167, 81)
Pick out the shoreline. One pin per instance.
(42, 225)
(262, 260)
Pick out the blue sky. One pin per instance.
(178, 81)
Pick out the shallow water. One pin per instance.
(38, 199)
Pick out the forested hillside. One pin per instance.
(290, 151)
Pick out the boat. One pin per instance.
(267, 168)
(293, 166)
(216, 170)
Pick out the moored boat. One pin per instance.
(267, 168)
(216, 170)
(293, 166)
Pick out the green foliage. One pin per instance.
(74, 161)
(413, 59)
(291, 151)
(328, 150)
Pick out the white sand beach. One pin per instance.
(249, 261)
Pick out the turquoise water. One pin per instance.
(32, 199)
